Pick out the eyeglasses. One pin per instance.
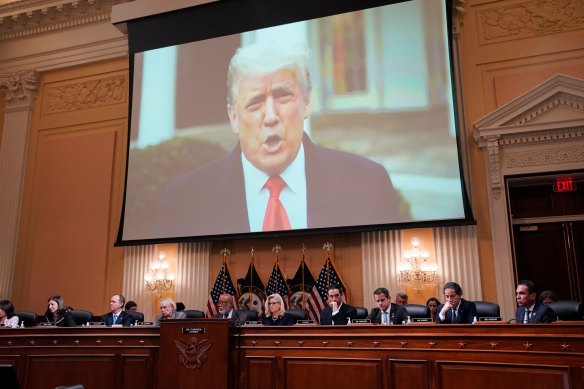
(224, 302)
(273, 303)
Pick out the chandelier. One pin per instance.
(415, 269)
(158, 279)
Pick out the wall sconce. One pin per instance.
(159, 279)
(415, 269)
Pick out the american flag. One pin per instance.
(328, 276)
(223, 284)
(277, 284)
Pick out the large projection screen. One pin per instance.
(352, 108)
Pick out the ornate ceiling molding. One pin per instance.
(19, 89)
(31, 17)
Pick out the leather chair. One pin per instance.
(29, 318)
(251, 314)
(81, 316)
(361, 312)
(487, 309)
(136, 316)
(298, 314)
(194, 314)
(417, 311)
(71, 387)
(568, 310)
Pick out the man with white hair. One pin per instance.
(275, 178)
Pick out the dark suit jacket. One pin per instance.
(541, 313)
(345, 312)
(286, 320)
(238, 316)
(467, 311)
(342, 189)
(124, 319)
(397, 312)
(65, 319)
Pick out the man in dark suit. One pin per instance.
(529, 310)
(226, 310)
(337, 312)
(455, 310)
(386, 312)
(117, 316)
(276, 178)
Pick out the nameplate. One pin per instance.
(145, 323)
(96, 323)
(489, 319)
(193, 330)
(361, 321)
(305, 322)
(422, 320)
(45, 324)
(253, 323)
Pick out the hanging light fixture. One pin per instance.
(415, 269)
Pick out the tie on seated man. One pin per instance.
(455, 310)
(117, 316)
(337, 312)
(226, 310)
(529, 310)
(386, 312)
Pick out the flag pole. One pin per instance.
(302, 264)
(249, 294)
(277, 249)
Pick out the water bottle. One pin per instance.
(474, 320)
(349, 322)
(409, 320)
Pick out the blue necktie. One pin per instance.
(115, 318)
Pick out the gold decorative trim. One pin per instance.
(84, 95)
(32, 17)
(530, 18)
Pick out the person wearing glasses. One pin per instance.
(226, 310)
(337, 312)
(275, 313)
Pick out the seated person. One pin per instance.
(386, 312)
(529, 309)
(7, 317)
(131, 306)
(455, 310)
(180, 306)
(226, 310)
(58, 314)
(117, 316)
(168, 311)
(275, 313)
(432, 305)
(401, 298)
(337, 313)
(547, 297)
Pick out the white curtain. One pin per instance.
(381, 252)
(137, 260)
(192, 270)
(457, 258)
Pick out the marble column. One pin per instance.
(19, 90)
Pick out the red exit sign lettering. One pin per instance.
(564, 184)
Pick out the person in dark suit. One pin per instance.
(276, 314)
(455, 310)
(275, 165)
(58, 313)
(337, 312)
(386, 312)
(530, 310)
(117, 316)
(226, 310)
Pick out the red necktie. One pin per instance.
(276, 218)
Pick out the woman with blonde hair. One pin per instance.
(168, 311)
(275, 314)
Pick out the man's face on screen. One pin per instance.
(267, 114)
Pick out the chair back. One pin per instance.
(417, 311)
(194, 314)
(136, 316)
(28, 318)
(568, 310)
(298, 314)
(81, 316)
(251, 315)
(361, 312)
(487, 309)
(8, 377)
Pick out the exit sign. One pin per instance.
(564, 184)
